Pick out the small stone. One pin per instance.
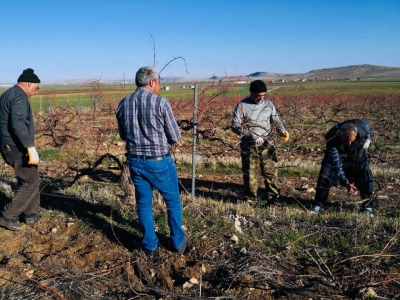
(152, 273)
(187, 285)
(369, 293)
(29, 274)
(310, 190)
(299, 282)
(193, 280)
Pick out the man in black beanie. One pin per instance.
(17, 148)
(256, 120)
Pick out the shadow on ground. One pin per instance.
(91, 214)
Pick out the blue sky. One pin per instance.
(111, 39)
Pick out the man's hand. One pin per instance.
(33, 156)
(352, 189)
(259, 141)
(285, 136)
(366, 144)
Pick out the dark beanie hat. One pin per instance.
(258, 86)
(28, 75)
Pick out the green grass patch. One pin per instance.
(50, 154)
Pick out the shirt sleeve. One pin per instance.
(171, 127)
(236, 125)
(367, 130)
(121, 127)
(337, 166)
(275, 119)
(19, 113)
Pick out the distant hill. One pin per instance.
(352, 72)
(356, 71)
(347, 72)
(265, 74)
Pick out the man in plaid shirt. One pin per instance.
(147, 124)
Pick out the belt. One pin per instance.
(160, 157)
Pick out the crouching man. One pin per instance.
(346, 164)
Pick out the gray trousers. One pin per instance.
(27, 197)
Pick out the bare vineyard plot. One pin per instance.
(88, 242)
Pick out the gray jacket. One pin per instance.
(251, 120)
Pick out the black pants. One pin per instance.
(359, 174)
(27, 198)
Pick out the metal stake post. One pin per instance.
(194, 140)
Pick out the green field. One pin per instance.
(88, 95)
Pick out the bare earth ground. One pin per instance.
(74, 253)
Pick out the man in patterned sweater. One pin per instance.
(256, 120)
(346, 164)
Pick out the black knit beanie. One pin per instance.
(28, 75)
(258, 86)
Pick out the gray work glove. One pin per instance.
(366, 144)
(259, 141)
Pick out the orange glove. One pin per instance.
(285, 136)
(33, 156)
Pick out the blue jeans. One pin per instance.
(161, 175)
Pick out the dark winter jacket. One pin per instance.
(16, 119)
(341, 155)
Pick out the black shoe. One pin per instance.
(272, 199)
(10, 224)
(149, 253)
(32, 218)
(183, 247)
(369, 211)
(368, 202)
(316, 209)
